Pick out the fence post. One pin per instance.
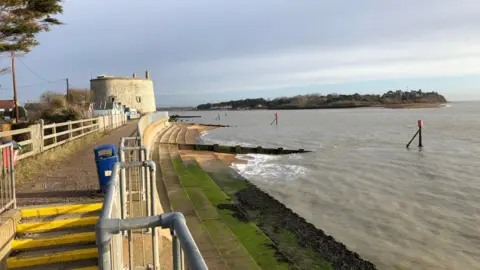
(42, 134)
(70, 129)
(54, 130)
(103, 122)
(12, 175)
(97, 123)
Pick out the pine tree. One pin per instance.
(21, 20)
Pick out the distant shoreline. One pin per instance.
(346, 106)
(414, 106)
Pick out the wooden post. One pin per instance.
(419, 132)
(14, 82)
(42, 131)
(70, 129)
(420, 125)
(54, 129)
(275, 120)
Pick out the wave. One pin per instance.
(209, 140)
(271, 169)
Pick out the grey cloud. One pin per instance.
(214, 46)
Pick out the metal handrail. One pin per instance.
(113, 219)
(175, 221)
(146, 186)
(7, 181)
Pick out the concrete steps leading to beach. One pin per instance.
(179, 134)
(179, 201)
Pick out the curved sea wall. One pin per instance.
(150, 125)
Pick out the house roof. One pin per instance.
(7, 104)
(107, 106)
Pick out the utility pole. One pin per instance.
(68, 90)
(15, 98)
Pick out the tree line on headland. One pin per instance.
(391, 99)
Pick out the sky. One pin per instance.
(200, 51)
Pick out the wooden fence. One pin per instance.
(40, 137)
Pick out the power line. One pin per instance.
(32, 85)
(33, 72)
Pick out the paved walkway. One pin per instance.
(73, 180)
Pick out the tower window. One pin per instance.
(139, 99)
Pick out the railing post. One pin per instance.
(123, 188)
(177, 257)
(70, 135)
(54, 130)
(142, 175)
(103, 239)
(154, 213)
(97, 123)
(42, 134)
(12, 175)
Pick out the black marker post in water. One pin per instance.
(275, 120)
(419, 133)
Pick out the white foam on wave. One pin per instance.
(271, 169)
(209, 140)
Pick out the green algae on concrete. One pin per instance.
(286, 241)
(258, 245)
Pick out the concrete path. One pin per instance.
(73, 180)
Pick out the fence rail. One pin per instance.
(41, 137)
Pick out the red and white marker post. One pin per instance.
(419, 133)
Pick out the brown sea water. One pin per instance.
(398, 208)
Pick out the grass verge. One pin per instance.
(258, 245)
(28, 168)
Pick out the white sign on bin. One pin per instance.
(108, 173)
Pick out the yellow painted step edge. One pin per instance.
(56, 224)
(53, 241)
(87, 268)
(74, 255)
(60, 209)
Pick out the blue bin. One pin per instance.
(105, 156)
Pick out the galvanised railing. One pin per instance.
(132, 182)
(7, 178)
